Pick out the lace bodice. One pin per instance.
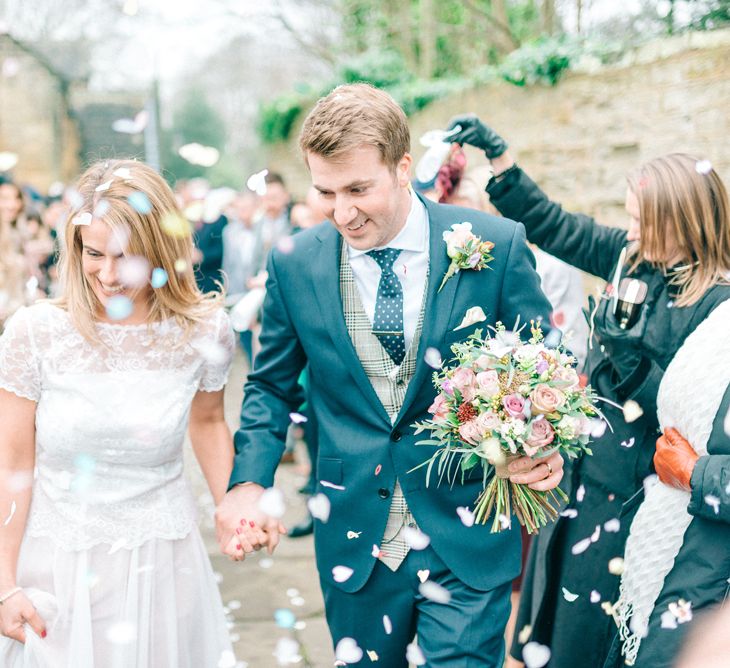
(111, 419)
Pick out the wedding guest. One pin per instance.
(678, 245)
(14, 270)
(381, 262)
(678, 551)
(274, 224)
(100, 554)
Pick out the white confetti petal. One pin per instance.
(372, 655)
(598, 428)
(616, 566)
(596, 534)
(351, 535)
(703, 167)
(612, 526)
(713, 502)
(423, 574)
(433, 358)
(570, 513)
(123, 173)
(535, 655)
(227, 659)
(257, 182)
(580, 494)
(726, 423)
(524, 635)
(581, 546)
(416, 539)
(8, 160)
(319, 506)
(266, 563)
(629, 443)
(466, 516)
(669, 621)
(287, 651)
(197, 154)
(414, 655)
(434, 592)
(82, 219)
(375, 551)
(595, 596)
(103, 186)
(347, 650)
(342, 573)
(331, 485)
(632, 411)
(387, 625)
(271, 503)
(569, 596)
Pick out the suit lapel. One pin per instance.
(438, 304)
(326, 278)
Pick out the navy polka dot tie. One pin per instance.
(388, 319)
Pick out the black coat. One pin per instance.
(608, 485)
(209, 240)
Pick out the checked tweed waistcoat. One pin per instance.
(390, 383)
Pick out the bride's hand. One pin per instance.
(17, 611)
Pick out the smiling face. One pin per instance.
(366, 200)
(11, 202)
(100, 261)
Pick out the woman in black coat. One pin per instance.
(678, 244)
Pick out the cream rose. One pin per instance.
(546, 399)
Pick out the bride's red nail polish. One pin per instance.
(243, 523)
(251, 524)
(43, 633)
(239, 547)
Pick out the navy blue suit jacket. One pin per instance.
(359, 448)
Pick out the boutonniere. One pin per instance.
(466, 250)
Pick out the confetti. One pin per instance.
(297, 418)
(713, 502)
(286, 651)
(266, 563)
(535, 655)
(466, 516)
(8, 160)
(197, 154)
(616, 566)
(284, 618)
(119, 307)
(669, 621)
(596, 534)
(433, 358)
(378, 469)
(131, 126)
(103, 186)
(123, 173)
(570, 513)
(292, 592)
(415, 539)
(423, 574)
(121, 633)
(227, 659)
(235, 604)
(372, 655)
(347, 650)
(351, 535)
(703, 167)
(580, 494)
(612, 526)
(387, 625)
(342, 573)
(682, 610)
(140, 202)
(180, 266)
(319, 506)
(82, 219)
(473, 315)
(434, 592)
(376, 552)
(629, 443)
(285, 245)
(331, 485)
(159, 277)
(595, 596)
(569, 596)
(598, 428)
(632, 411)
(271, 503)
(174, 225)
(581, 546)
(13, 508)
(524, 635)
(133, 271)
(505, 521)
(414, 655)
(257, 182)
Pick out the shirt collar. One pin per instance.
(413, 236)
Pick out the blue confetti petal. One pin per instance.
(119, 308)
(284, 618)
(140, 202)
(159, 277)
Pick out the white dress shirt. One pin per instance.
(411, 268)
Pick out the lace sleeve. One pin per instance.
(217, 349)
(19, 364)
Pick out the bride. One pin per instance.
(101, 560)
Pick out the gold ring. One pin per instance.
(550, 469)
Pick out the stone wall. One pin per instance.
(580, 138)
(35, 120)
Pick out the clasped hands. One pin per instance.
(242, 527)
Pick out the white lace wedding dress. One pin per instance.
(112, 555)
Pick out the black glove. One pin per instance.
(475, 133)
(622, 346)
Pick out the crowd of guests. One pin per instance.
(631, 559)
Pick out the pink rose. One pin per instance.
(567, 377)
(485, 362)
(514, 404)
(487, 422)
(546, 399)
(470, 432)
(488, 383)
(439, 408)
(541, 434)
(465, 381)
(448, 387)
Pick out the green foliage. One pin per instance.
(379, 68)
(543, 61)
(276, 118)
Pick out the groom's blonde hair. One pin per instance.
(352, 116)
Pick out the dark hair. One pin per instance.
(274, 177)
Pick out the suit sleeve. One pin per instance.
(572, 237)
(521, 293)
(271, 393)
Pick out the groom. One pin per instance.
(359, 300)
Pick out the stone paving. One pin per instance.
(254, 590)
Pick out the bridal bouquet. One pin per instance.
(499, 399)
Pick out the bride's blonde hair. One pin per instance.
(683, 201)
(139, 207)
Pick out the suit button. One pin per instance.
(396, 436)
(383, 493)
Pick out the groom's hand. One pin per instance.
(241, 526)
(538, 474)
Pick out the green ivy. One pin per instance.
(543, 61)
